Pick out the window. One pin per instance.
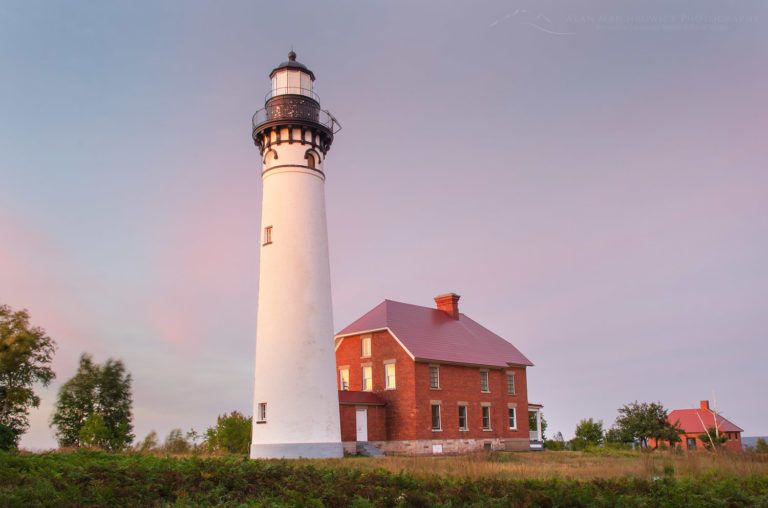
(434, 377)
(390, 374)
(510, 383)
(486, 418)
(484, 381)
(436, 417)
(310, 161)
(512, 419)
(267, 235)
(690, 443)
(367, 378)
(365, 347)
(462, 417)
(261, 416)
(344, 379)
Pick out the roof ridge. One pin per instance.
(431, 333)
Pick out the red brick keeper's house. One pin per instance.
(417, 380)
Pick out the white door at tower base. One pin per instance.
(361, 419)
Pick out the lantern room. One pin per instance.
(292, 78)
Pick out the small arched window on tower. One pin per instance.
(310, 161)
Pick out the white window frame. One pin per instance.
(437, 371)
(511, 375)
(365, 346)
(513, 418)
(466, 417)
(389, 384)
(342, 385)
(439, 417)
(484, 382)
(261, 416)
(369, 368)
(483, 410)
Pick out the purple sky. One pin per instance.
(591, 178)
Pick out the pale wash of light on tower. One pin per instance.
(296, 405)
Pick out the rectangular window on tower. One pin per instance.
(510, 383)
(365, 346)
(267, 235)
(261, 416)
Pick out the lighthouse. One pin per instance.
(296, 403)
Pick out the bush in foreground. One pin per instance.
(97, 478)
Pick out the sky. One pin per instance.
(591, 177)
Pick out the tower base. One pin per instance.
(296, 450)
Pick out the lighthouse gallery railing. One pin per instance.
(271, 113)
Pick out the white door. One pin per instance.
(361, 417)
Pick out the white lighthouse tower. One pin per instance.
(296, 403)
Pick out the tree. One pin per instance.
(94, 433)
(618, 435)
(232, 433)
(761, 446)
(589, 432)
(175, 442)
(710, 437)
(557, 443)
(149, 443)
(25, 357)
(8, 438)
(532, 423)
(193, 436)
(103, 390)
(643, 421)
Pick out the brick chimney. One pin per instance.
(705, 405)
(449, 303)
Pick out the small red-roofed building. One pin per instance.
(695, 422)
(442, 383)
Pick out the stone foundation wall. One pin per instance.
(444, 446)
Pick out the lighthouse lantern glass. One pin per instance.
(292, 82)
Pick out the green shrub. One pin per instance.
(232, 434)
(108, 479)
(553, 445)
(8, 438)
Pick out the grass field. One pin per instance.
(503, 479)
(593, 465)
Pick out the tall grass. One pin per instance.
(570, 465)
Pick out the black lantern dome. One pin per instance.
(292, 108)
(292, 64)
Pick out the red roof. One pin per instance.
(355, 397)
(690, 423)
(431, 334)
